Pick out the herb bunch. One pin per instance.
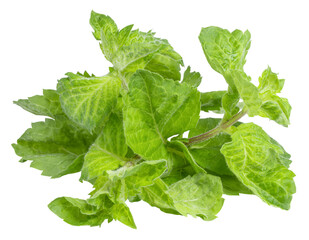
(124, 131)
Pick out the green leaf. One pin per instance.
(232, 186)
(192, 78)
(79, 212)
(148, 52)
(225, 50)
(230, 102)
(156, 195)
(107, 201)
(254, 158)
(199, 195)
(207, 153)
(55, 146)
(132, 50)
(283, 156)
(187, 154)
(273, 106)
(247, 91)
(47, 104)
(108, 151)
(105, 29)
(122, 213)
(128, 180)
(212, 101)
(88, 101)
(179, 166)
(124, 34)
(155, 109)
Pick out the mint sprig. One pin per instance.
(124, 131)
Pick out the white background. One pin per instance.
(42, 40)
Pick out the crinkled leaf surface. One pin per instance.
(106, 30)
(108, 151)
(273, 106)
(207, 154)
(226, 51)
(47, 104)
(199, 195)
(56, 147)
(79, 212)
(89, 100)
(247, 91)
(255, 159)
(156, 195)
(92, 212)
(132, 50)
(144, 51)
(155, 109)
(107, 201)
(192, 78)
(127, 181)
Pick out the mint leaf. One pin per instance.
(232, 186)
(79, 212)
(123, 35)
(225, 50)
(89, 100)
(192, 78)
(107, 201)
(130, 50)
(199, 196)
(152, 114)
(273, 106)
(283, 156)
(92, 212)
(55, 146)
(122, 213)
(105, 29)
(247, 91)
(157, 196)
(108, 151)
(230, 103)
(47, 104)
(128, 180)
(190, 195)
(187, 154)
(179, 166)
(144, 51)
(207, 154)
(212, 101)
(262, 173)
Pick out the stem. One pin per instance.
(213, 132)
(123, 81)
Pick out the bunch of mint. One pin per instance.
(124, 131)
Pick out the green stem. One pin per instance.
(213, 132)
(123, 81)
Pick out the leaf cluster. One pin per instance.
(124, 131)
